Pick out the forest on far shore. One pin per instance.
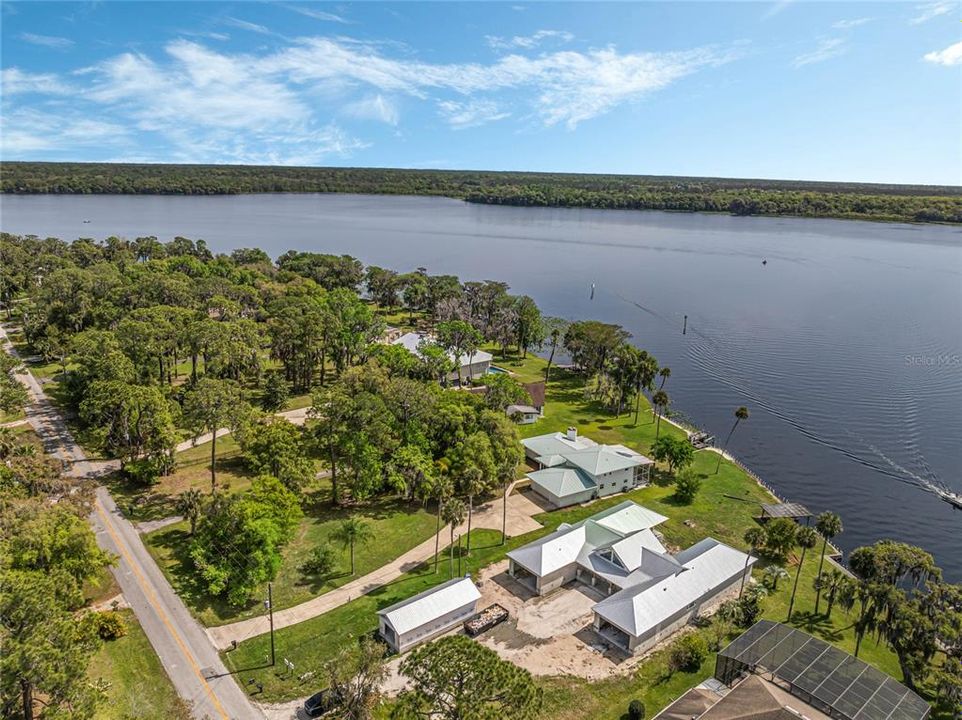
(862, 201)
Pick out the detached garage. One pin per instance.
(428, 614)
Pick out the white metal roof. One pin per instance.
(605, 459)
(628, 517)
(561, 481)
(412, 343)
(707, 565)
(556, 443)
(553, 551)
(431, 604)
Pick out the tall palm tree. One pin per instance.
(773, 574)
(555, 340)
(471, 483)
(832, 582)
(351, 533)
(440, 489)
(664, 374)
(741, 413)
(755, 538)
(660, 400)
(828, 525)
(856, 592)
(806, 538)
(453, 515)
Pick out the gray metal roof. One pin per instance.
(431, 604)
(605, 459)
(852, 688)
(789, 510)
(412, 342)
(562, 481)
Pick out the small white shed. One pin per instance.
(428, 614)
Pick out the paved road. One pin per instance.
(519, 521)
(184, 650)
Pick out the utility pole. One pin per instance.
(459, 556)
(270, 611)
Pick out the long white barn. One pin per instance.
(471, 366)
(650, 593)
(428, 614)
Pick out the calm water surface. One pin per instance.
(846, 346)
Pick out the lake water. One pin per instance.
(846, 346)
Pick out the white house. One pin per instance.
(527, 414)
(575, 469)
(649, 593)
(471, 366)
(428, 614)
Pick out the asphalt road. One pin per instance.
(187, 655)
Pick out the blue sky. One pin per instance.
(810, 90)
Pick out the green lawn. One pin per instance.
(137, 685)
(397, 525)
(724, 509)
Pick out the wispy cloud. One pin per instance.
(461, 115)
(222, 37)
(249, 26)
(281, 105)
(14, 81)
(49, 41)
(376, 107)
(952, 55)
(826, 49)
(930, 11)
(317, 14)
(775, 8)
(528, 42)
(849, 24)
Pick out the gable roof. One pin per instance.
(628, 517)
(552, 552)
(556, 443)
(430, 604)
(562, 481)
(706, 565)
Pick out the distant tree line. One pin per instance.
(882, 202)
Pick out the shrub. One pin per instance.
(636, 710)
(687, 485)
(322, 561)
(110, 625)
(688, 653)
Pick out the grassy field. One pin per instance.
(137, 686)
(724, 509)
(397, 525)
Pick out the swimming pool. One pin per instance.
(495, 370)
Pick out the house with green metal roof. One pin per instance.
(574, 469)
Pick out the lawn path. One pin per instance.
(521, 510)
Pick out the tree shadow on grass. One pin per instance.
(817, 624)
(185, 579)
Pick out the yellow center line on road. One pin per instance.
(152, 599)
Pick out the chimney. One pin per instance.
(572, 434)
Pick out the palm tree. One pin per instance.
(441, 489)
(453, 515)
(190, 504)
(555, 339)
(806, 538)
(755, 538)
(350, 533)
(828, 525)
(741, 413)
(773, 574)
(472, 484)
(855, 592)
(660, 400)
(832, 583)
(664, 374)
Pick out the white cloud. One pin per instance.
(826, 49)
(930, 11)
(952, 55)
(528, 42)
(460, 115)
(849, 24)
(376, 107)
(50, 41)
(317, 14)
(14, 81)
(775, 8)
(245, 25)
